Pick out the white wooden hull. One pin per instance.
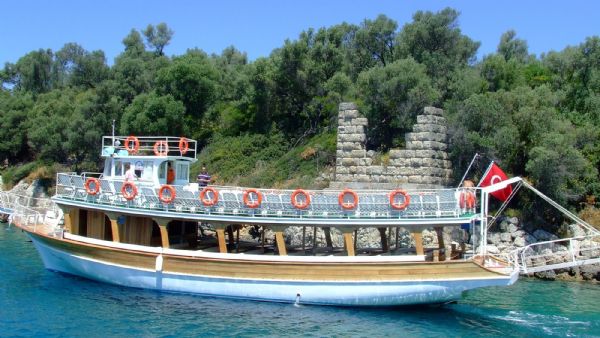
(355, 293)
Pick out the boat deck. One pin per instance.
(433, 206)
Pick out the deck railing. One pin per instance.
(426, 203)
(31, 212)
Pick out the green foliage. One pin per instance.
(271, 121)
(435, 40)
(512, 48)
(154, 114)
(393, 95)
(12, 175)
(158, 37)
(261, 161)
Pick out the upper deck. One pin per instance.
(345, 208)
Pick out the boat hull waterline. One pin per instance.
(356, 292)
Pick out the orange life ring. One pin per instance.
(184, 145)
(88, 186)
(129, 195)
(161, 194)
(252, 204)
(467, 199)
(161, 148)
(135, 144)
(208, 201)
(300, 205)
(348, 206)
(398, 206)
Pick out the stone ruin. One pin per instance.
(423, 164)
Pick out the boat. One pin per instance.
(143, 232)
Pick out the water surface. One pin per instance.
(37, 302)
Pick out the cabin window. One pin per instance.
(182, 171)
(118, 168)
(144, 169)
(162, 171)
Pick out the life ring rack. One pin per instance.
(168, 198)
(125, 190)
(346, 205)
(135, 144)
(96, 186)
(252, 204)
(399, 206)
(300, 205)
(208, 201)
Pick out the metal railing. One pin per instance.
(559, 253)
(31, 212)
(148, 146)
(427, 203)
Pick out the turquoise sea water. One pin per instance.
(37, 302)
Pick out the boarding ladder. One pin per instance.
(554, 254)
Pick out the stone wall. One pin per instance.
(424, 163)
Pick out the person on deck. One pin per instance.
(170, 174)
(203, 178)
(130, 173)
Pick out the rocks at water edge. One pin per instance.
(511, 237)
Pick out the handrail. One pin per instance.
(275, 202)
(531, 256)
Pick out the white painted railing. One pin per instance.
(30, 212)
(559, 254)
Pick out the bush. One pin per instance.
(265, 161)
(12, 175)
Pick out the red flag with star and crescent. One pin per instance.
(496, 175)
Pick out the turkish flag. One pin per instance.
(496, 175)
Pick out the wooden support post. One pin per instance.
(304, 239)
(349, 241)
(114, 226)
(440, 236)
(68, 218)
(220, 228)
(418, 236)
(279, 239)
(237, 239)
(314, 248)
(164, 233)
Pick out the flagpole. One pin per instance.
(468, 169)
(486, 172)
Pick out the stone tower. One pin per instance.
(423, 164)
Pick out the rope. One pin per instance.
(569, 214)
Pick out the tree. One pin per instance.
(32, 72)
(158, 37)
(134, 46)
(435, 40)
(192, 80)
(393, 96)
(512, 48)
(154, 114)
(378, 39)
(75, 66)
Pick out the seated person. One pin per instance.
(170, 174)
